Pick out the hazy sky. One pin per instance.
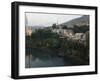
(42, 19)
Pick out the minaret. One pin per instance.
(57, 22)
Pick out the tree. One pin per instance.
(87, 39)
(80, 29)
(54, 26)
(64, 27)
(52, 43)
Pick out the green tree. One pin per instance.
(64, 27)
(80, 29)
(54, 26)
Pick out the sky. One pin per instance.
(44, 19)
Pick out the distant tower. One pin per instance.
(57, 22)
(57, 25)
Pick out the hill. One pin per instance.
(84, 20)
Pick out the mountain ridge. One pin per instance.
(77, 21)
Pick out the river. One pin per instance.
(39, 58)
